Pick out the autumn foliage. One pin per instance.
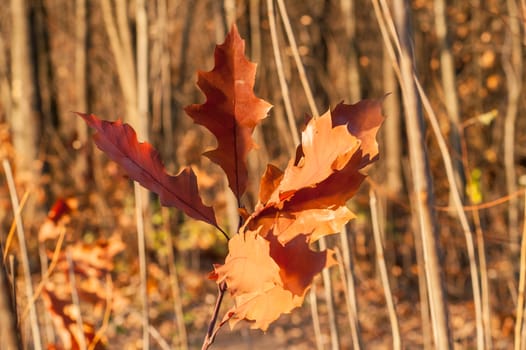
(271, 261)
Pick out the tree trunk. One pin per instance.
(23, 117)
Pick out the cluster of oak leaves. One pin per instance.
(270, 264)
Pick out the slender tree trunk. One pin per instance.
(449, 85)
(391, 131)
(80, 167)
(166, 83)
(8, 331)
(512, 64)
(117, 27)
(5, 91)
(142, 70)
(353, 72)
(422, 189)
(23, 117)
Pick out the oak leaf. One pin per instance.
(231, 111)
(143, 164)
(263, 281)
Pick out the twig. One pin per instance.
(211, 333)
(45, 277)
(487, 205)
(37, 343)
(155, 334)
(12, 229)
(142, 265)
(397, 342)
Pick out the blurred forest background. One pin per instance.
(137, 60)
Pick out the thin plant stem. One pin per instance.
(331, 310)
(522, 284)
(487, 205)
(45, 276)
(425, 309)
(484, 283)
(512, 53)
(9, 330)
(395, 327)
(37, 342)
(297, 59)
(174, 284)
(281, 75)
(481, 251)
(76, 301)
(455, 193)
(212, 331)
(315, 318)
(457, 202)
(419, 164)
(141, 242)
(12, 229)
(107, 312)
(350, 297)
(158, 338)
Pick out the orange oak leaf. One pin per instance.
(325, 174)
(324, 150)
(315, 223)
(143, 164)
(266, 278)
(248, 267)
(231, 111)
(262, 307)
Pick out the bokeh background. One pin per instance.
(137, 60)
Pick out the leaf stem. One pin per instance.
(224, 233)
(211, 333)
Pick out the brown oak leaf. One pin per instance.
(231, 111)
(143, 164)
